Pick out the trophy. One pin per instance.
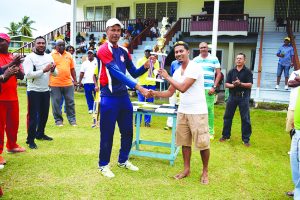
(159, 52)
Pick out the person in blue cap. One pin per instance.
(145, 82)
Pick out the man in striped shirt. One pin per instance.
(210, 65)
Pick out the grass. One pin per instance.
(66, 168)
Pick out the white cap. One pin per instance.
(112, 22)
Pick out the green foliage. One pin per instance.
(13, 29)
(66, 168)
(23, 27)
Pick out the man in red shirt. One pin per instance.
(9, 105)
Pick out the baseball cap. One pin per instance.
(112, 22)
(147, 48)
(287, 38)
(4, 36)
(90, 51)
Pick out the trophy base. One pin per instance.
(155, 79)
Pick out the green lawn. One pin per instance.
(66, 168)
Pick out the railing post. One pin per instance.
(260, 58)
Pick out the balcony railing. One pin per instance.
(289, 30)
(254, 24)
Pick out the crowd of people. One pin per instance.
(192, 82)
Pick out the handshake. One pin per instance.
(148, 93)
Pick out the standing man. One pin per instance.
(62, 85)
(115, 104)
(210, 65)
(145, 83)
(239, 81)
(87, 72)
(192, 119)
(9, 104)
(37, 68)
(286, 57)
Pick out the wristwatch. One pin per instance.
(214, 87)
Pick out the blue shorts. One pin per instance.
(281, 68)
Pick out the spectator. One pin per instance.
(154, 32)
(87, 71)
(58, 36)
(210, 65)
(286, 57)
(9, 105)
(239, 81)
(103, 39)
(68, 35)
(63, 85)
(38, 93)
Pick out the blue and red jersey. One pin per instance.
(115, 60)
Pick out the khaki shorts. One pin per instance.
(289, 121)
(192, 127)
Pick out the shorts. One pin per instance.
(192, 127)
(289, 121)
(281, 68)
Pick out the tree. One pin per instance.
(13, 28)
(25, 26)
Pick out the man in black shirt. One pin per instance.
(239, 81)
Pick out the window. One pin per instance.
(226, 7)
(156, 10)
(98, 13)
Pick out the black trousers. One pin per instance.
(232, 103)
(37, 115)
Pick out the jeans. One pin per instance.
(294, 159)
(141, 98)
(231, 105)
(281, 68)
(56, 94)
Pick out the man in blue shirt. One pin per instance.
(286, 57)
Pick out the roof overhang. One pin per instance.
(64, 1)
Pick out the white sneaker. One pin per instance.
(105, 170)
(286, 87)
(90, 111)
(128, 165)
(276, 87)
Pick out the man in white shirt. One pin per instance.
(192, 119)
(87, 71)
(37, 68)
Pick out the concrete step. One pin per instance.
(270, 95)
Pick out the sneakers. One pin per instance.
(16, 150)
(222, 139)
(32, 145)
(128, 165)
(167, 128)
(59, 123)
(286, 87)
(276, 87)
(73, 123)
(2, 161)
(90, 111)
(147, 124)
(45, 137)
(105, 171)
